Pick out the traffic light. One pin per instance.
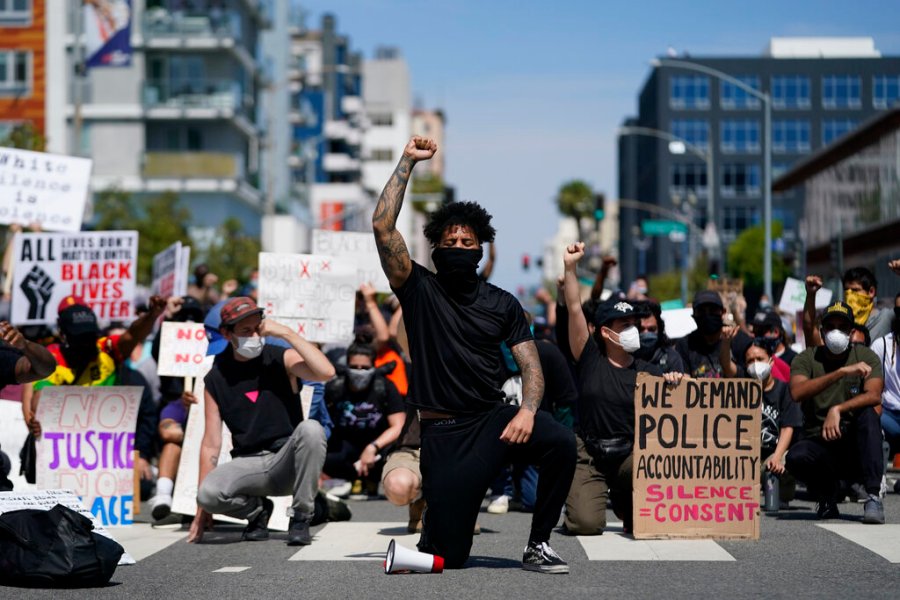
(599, 206)
(526, 262)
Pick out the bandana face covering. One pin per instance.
(861, 304)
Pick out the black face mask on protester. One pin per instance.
(80, 350)
(709, 324)
(457, 265)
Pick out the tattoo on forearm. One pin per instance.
(392, 248)
(526, 356)
(214, 460)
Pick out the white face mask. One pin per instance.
(249, 347)
(837, 341)
(759, 370)
(630, 339)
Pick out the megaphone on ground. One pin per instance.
(404, 560)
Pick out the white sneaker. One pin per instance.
(499, 505)
(161, 506)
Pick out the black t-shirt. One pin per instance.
(255, 399)
(788, 355)
(606, 399)
(778, 411)
(701, 360)
(360, 416)
(559, 387)
(9, 356)
(453, 342)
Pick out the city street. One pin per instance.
(796, 557)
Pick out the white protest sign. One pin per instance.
(13, 432)
(98, 266)
(679, 322)
(47, 499)
(314, 295)
(793, 296)
(184, 498)
(87, 445)
(182, 350)
(50, 189)
(359, 248)
(170, 270)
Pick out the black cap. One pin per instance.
(839, 309)
(708, 297)
(191, 310)
(618, 309)
(78, 320)
(765, 320)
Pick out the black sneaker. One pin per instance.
(257, 529)
(540, 557)
(873, 512)
(827, 509)
(298, 533)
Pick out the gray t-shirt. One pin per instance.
(879, 323)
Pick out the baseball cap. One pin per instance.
(239, 308)
(839, 309)
(77, 319)
(212, 322)
(708, 297)
(618, 309)
(71, 301)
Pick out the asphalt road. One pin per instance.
(796, 557)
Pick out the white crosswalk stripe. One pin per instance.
(880, 539)
(614, 545)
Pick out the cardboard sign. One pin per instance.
(13, 432)
(184, 498)
(50, 189)
(697, 458)
(313, 294)
(170, 271)
(47, 499)
(359, 248)
(182, 350)
(99, 266)
(87, 445)
(793, 297)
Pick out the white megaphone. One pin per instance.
(404, 560)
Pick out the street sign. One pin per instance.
(660, 227)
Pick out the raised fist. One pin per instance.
(813, 284)
(420, 148)
(573, 254)
(38, 287)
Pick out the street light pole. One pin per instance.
(766, 100)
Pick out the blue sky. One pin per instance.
(535, 90)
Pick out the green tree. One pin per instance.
(160, 222)
(746, 253)
(25, 136)
(233, 254)
(575, 199)
(667, 286)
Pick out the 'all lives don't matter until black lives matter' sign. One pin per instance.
(697, 458)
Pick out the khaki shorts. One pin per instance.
(406, 458)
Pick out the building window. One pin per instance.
(689, 91)
(841, 91)
(780, 168)
(15, 73)
(832, 129)
(791, 91)
(740, 179)
(15, 12)
(790, 135)
(734, 97)
(735, 219)
(693, 131)
(381, 154)
(885, 90)
(381, 119)
(686, 177)
(740, 135)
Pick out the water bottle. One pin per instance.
(773, 499)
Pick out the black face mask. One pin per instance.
(709, 324)
(457, 265)
(80, 350)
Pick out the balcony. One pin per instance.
(334, 162)
(192, 165)
(215, 94)
(351, 104)
(162, 25)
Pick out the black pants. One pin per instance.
(340, 458)
(462, 456)
(855, 456)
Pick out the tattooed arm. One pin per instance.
(209, 458)
(391, 247)
(518, 431)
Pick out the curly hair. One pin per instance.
(469, 214)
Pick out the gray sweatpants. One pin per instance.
(237, 487)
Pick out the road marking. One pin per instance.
(141, 540)
(231, 570)
(356, 541)
(614, 545)
(880, 539)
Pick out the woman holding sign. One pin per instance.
(607, 375)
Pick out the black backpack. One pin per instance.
(54, 548)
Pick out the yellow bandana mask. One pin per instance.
(861, 303)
